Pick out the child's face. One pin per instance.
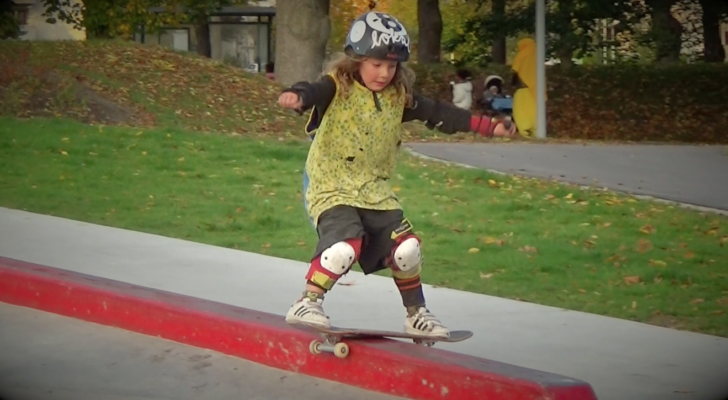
(377, 74)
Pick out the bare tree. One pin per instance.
(302, 30)
(666, 31)
(713, 10)
(499, 42)
(429, 21)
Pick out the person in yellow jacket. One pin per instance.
(358, 107)
(524, 83)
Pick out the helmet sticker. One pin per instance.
(385, 29)
(357, 31)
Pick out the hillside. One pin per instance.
(124, 83)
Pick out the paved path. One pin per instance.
(696, 175)
(48, 356)
(619, 358)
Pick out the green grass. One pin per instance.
(526, 239)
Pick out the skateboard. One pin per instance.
(333, 338)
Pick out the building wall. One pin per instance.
(38, 29)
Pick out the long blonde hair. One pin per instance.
(346, 70)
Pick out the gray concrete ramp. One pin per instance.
(48, 356)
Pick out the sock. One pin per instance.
(411, 291)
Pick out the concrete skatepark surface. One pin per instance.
(696, 175)
(620, 359)
(47, 356)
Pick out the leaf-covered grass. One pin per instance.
(526, 239)
(157, 85)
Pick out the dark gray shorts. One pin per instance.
(375, 226)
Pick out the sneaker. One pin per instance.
(308, 310)
(423, 322)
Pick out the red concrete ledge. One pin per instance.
(381, 365)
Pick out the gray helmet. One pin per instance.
(378, 35)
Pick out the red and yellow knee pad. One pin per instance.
(334, 262)
(405, 260)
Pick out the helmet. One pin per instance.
(378, 35)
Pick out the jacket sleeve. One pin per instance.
(318, 93)
(458, 94)
(446, 117)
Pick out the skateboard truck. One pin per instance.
(332, 344)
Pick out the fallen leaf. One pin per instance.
(648, 229)
(473, 250)
(631, 279)
(485, 276)
(396, 189)
(634, 304)
(717, 312)
(644, 245)
(658, 263)
(529, 249)
(697, 301)
(64, 152)
(689, 254)
(492, 240)
(569, 196)
(582, 291)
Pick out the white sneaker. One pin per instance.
(308, 311)
(424, 323)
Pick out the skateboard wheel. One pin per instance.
(341, 350)
(314, 347)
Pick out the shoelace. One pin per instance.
(425, 319)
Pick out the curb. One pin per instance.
(382, 365)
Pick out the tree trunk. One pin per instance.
(499, 43)
(429, 21)
(303, 28)
(714, 51)
(202, 33)
(666, 31)
(565, 57)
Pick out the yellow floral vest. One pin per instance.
(354, 152)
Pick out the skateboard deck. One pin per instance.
(333, 338)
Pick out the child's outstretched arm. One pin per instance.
(302, 96)
(449, 119)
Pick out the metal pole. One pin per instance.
(541, 69)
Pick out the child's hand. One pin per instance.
(290, 100)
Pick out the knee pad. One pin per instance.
(335, 261)
(338, 258)
(407, 255)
